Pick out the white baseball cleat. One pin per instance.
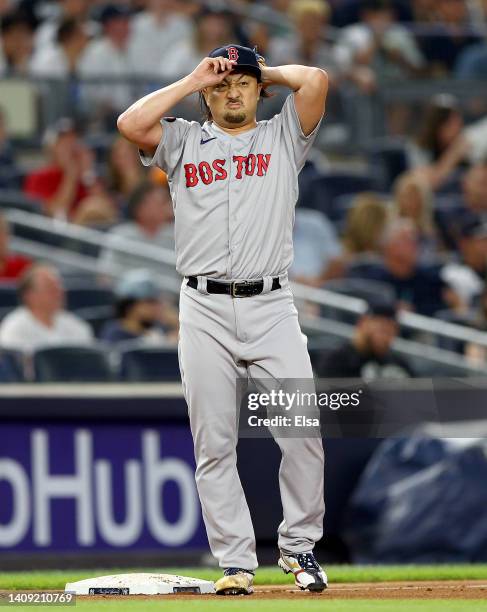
(307, 572)
(235, 581)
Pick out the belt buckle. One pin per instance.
(235, 287)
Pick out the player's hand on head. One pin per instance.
(264, 72)
(212, 70)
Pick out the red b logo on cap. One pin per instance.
(232, 53)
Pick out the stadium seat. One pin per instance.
(11, 366)
(87, 296)
(12, 198)
(72, 364)
(387, 159)
(322, 192)
(149, 364)
(8, 296)
(96, 316)
(11, 177)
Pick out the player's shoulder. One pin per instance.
(180, 120)
(181, 125)
(277, 118)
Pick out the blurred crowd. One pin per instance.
(417, 239)
(357, 40)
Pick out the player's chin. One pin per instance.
(235, 117)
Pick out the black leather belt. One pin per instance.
(235, 289)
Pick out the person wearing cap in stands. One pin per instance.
(140, 314)
(467, 277)
(368, 354)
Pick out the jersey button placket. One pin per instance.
(232, 212)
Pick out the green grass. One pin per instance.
(265, 575)
(280, 605)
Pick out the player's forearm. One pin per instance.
(293, 76)
(146, 113)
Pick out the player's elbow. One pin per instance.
(320, 79)
(126, 125)
(130, 127)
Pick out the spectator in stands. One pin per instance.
(125, 171)
(47, 33)
(440, 126)
(475, 353)
(16, 44)
(467, 277)
(418, 287)
(317, 249)
(109, 56)
(41, 320)
(11, 266)
(471, 63)
(423, 11)
(471, 202)
(151, 223)
(140, 314)
(306, 44)
(155, 32)
(468, 148)
(450, 35)
(65, 185)
(60, 59)
(380, 43)
(474, 187)
(214, 27)
(368, 355)
(413, 199)
(364, 226)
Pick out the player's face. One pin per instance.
(233, 102)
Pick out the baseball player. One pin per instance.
(234, 186)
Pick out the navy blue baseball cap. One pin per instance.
(246, 58)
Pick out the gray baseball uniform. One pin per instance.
(234, 199)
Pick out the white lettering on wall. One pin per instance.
(47, 487)
(127, 532)
(157, 473)
(91, 487)
(13, 532)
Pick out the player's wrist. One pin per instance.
(192, 84)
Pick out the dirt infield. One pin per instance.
(448, 589)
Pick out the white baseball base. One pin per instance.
(140, 584)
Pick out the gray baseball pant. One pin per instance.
(221, 339)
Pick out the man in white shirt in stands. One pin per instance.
(109, 56)
(155, 32)
(41, 320)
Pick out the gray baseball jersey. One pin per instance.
(233, 196)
